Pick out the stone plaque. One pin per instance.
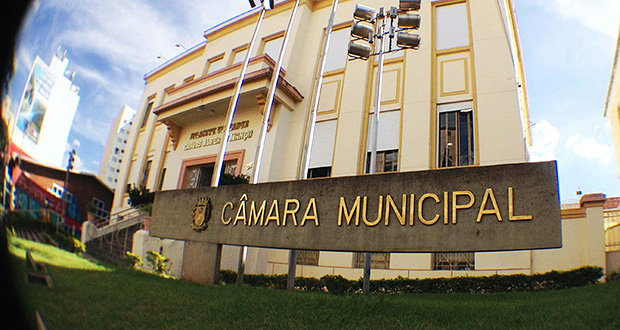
(478, 208)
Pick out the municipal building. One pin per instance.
(460, 100)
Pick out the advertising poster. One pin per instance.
(33, 108)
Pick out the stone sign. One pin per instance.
(478, 208)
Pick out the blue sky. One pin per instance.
(568, 49)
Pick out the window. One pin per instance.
(272, 46)
(338, 50)
(98, 208)
(320, 172)
(214, 64)
(307, 257)
(452, 26)
(453, 261)
(145, 173)
(387, 161)
(161, 179)
(455, 145)
(322, 149)
(379, 260)
(145, 116)
(388, 142)
(238, 55)
(200, 175)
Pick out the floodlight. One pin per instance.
(409, 21)
(407, 40)
(364, 13)
(362, 30)
(393, 12)
(407, 5)
(359, 50)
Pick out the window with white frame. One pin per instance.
(455, 134)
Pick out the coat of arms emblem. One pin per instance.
(201, 214)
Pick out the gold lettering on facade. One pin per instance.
(445, 208)
(255, 217)
(379, 212)
(390, 205)
(348, 216)
(274, 214)
(411, 209)
(241, 212)
(228, 204)
(290, 212)
(315, 217)
(420, 209)
(483, 211)
(511, 209)
(456, 206)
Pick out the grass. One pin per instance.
(123, 298)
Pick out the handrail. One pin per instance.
(120, 220)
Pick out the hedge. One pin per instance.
(336, 284)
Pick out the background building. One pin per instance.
(114, 151)
(460, 100)
(46, 111)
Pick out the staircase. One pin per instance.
(108, 240)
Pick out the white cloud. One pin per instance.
(76, 143)
(90, 130)
(545, 139)
(598, 15)
(590, 149)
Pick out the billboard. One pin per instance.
(33, 107)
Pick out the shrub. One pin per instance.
(134, 259)
(229, 179)
(337, 284)
(159, 263)
(140, 196)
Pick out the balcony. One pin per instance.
(184, 104)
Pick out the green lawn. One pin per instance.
(121, 298)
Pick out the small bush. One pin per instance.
(159, 263)
(134, 259)
(337, 284)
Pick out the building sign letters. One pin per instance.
(486, 208)
(207, 137)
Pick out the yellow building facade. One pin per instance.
(459, 100)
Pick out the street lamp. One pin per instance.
(367, 21)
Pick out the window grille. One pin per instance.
(379, 260)
(453, 261)
(308, 257)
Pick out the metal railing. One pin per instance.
(99, 227)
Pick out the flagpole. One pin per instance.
(215, 181)
(265, 124)
(232, 107)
